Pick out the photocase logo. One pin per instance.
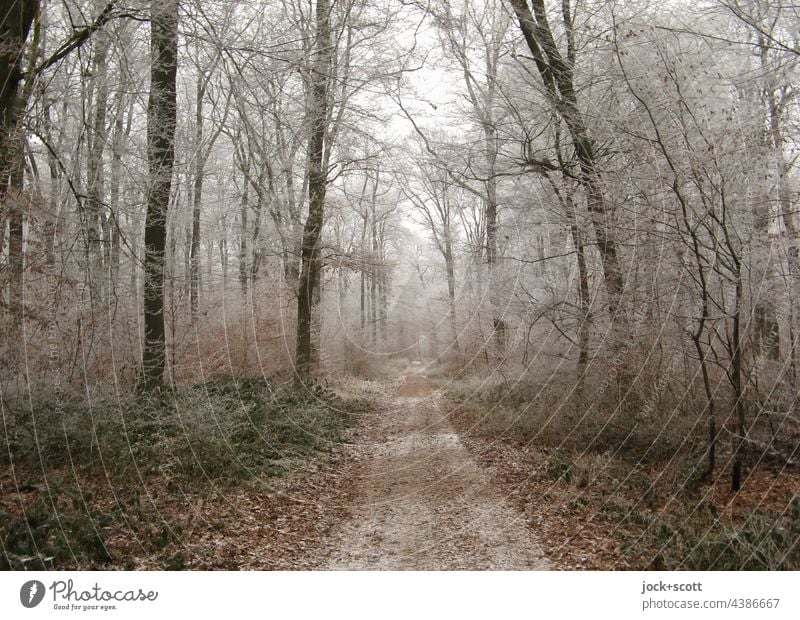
(31, 593)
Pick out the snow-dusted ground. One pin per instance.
(421, 502)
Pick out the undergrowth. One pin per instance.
(637, 469)
(554, 415)
(765, 540)
(211, 435)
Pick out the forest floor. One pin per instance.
(401, 492)
(415, 485)
(603, 511)
(430, 491)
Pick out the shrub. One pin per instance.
(701, 541)
(224, 429)
(55, 528)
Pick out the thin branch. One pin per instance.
(80, 36)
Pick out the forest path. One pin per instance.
(421, 502)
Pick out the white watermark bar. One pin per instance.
(377, 595)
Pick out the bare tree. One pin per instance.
(203, 146)
(17, 19)
(556, 70)
(474, 36)
(317, 186)
(161, 121)
(432, 194)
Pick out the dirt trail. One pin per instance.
(422, 502)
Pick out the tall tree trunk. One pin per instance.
(363, 291)
(205, 284)
(451, 282)
(794, 294)
(317, 185)
(498, 324)
(766, 322)
(567, 199)
(736, 373)
(244, 269)
(374, 269)
(117, 146)
(556, 74)
(257, 253)
(14, 204)
(383, 287)
(161, 121)
(584, 300)
(52, 227)
(383, 316)
(223, 252)
(738, 392)
(197, 198)
(363, 271)
(171, 300)
(294, 248)
(15, 24)
(96, 226)
(16, 20)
